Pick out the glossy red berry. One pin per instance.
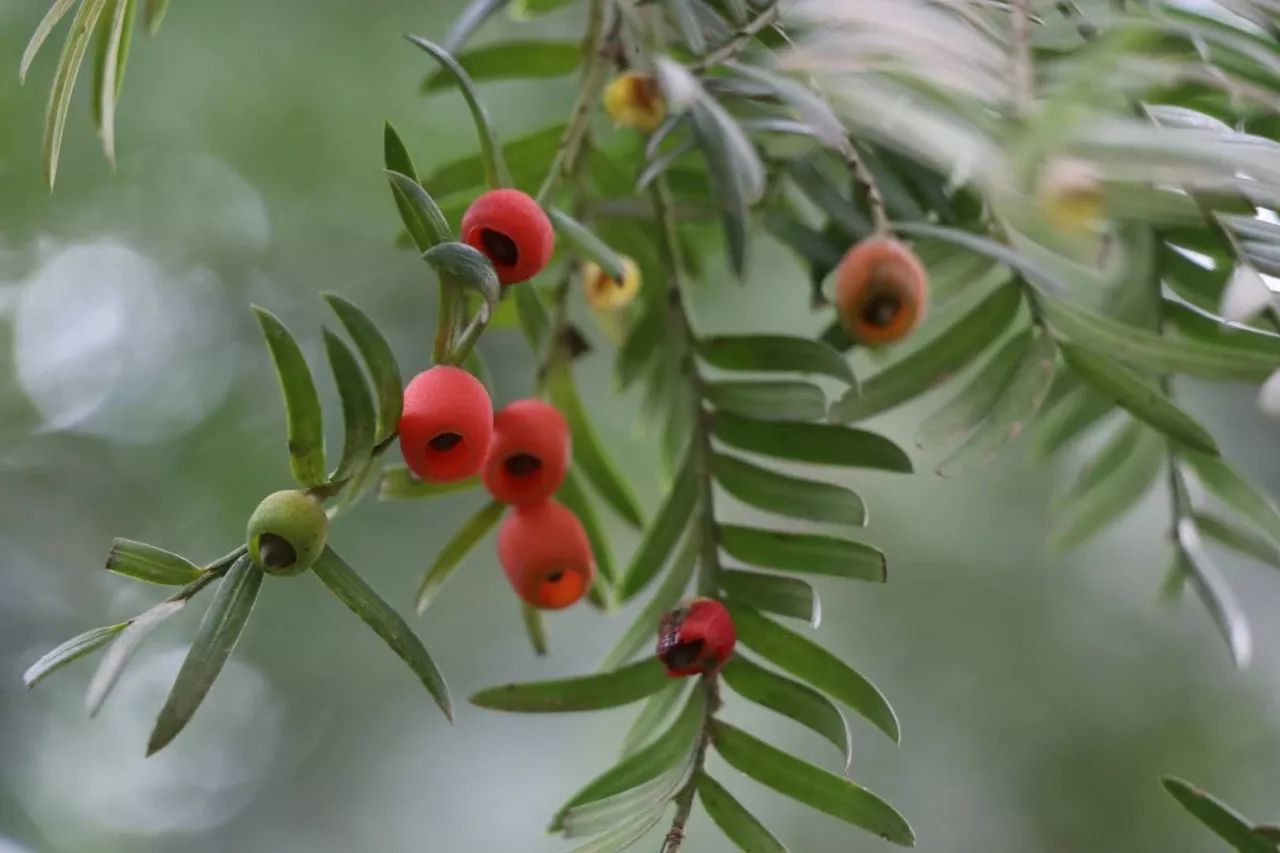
(446, 426)
(882, 291)
(546, 555)
(529, 454)
(512, 231)
(696, 637)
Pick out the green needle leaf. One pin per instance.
(305, 421)
(1121, 474)
(123, 649)
(574, 496)
(960, 417)
(1210, 328)
(64, 81)
(455, 551)
(495, 168)
(352, 591)
(535, 628)
(585, 693)
(1217, 817)
(823, 444)
(791, 699)
(357, 408)
(815, 665)
(148, 563)
(810, 785)
(940, 358)
(1213, 591)
(588, 450)
(153, 15)
(674, 515)
(1238, 539)
(521, 59)
(774, 353)
(468, 267)
(622, 836)
(790, 496)
(419, 212)
(645, 626)
(587, 245)
(739, 825)
(217, 635)
(57, 11)
(655, 711)
(72, 650)
(529, 157)
(398, 484)
(769, 401)
(1141, 397)
(108, 71)
(1226, 484)
(379, 360)
(804, 552)
(773, 594)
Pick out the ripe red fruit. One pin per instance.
(546, 555)
(696, 637)
(512, 231)
(882, 290)
(529, 454)
(446, 425)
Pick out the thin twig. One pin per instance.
(866, 184)
(738, 41)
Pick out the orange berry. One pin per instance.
(882, 291)
(546, 555)
(446, 425)
(529, 454)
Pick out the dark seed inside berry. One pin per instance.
(275, 552)
(682, 654)
(444, 441)
(555, 577)
(522, 464)
(500, 248)
(880, 311)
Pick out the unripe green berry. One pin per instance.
(287, 532)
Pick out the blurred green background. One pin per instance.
(1040, 698)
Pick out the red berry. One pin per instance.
(882, 291)
(446, 425)
(546, 555)
(696, 637)
(512, 231)
(529, 454)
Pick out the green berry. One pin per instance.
(287, 532)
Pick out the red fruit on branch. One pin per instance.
(529, 453)
(696, 637)
(446, 426)
(512, 231)
(882, 291)
(546, 555)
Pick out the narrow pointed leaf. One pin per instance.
(351, 590)
(1217, 817)
(778, 594)
(1116, 489)
(1154, 353)
(64, 83)
(588, 450)
(644, 629)
(804, 552)
(587, 245)
(529, 156)
(672, 518)
(148, 563)
(960, 417)
(398, 483)
(810, 785)
(495, 167)
(523, 59)
(823, 444)
(422, 217)
(812, 500)
(1226, 484)
(605, 814)
(1071, 418)
(1213, 591)
(933, 362)
(217, 635)
(827, 196)
(585, 693)
(532, 314)
(357, 407)
(623, 836)
(72, 650)
(735, 171)
(574, 496)
(814, 665)
(123, 649)
(378, 359)
(57, 11)
(468, 21)
(803, 704)
(769, 401)
(739, 825)
(455, 551)
(774, 353)
(467, 266)
(1206, 327)
(653, 714)
(535, 628)
(666, 752)
(643, 345)
(109, 66)
(153, 15)
(305, 421)
(1142, 398)
(1237, 539)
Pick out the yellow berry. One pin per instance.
(635, 100)
(608, 294)
(1070, 195)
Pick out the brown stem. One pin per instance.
(867, 185)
